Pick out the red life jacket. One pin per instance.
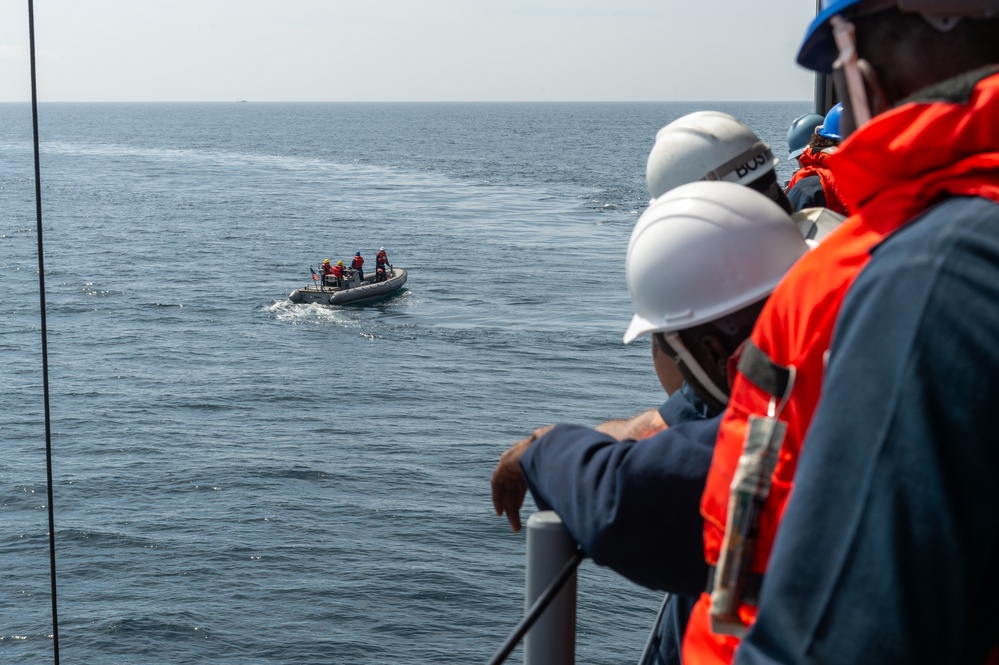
(358, 262)
(382, 257)
(814, 162)
(337, 271)
(327, 269)
(890, 171)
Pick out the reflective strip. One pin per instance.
(763, 372)
(751, 594)
(758, 149)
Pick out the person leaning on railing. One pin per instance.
(704, 145)
(632, 505)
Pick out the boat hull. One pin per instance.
(326, 295)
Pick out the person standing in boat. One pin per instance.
(357, 264)
(381, 260)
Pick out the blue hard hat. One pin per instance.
(818, 51)
(830, 126)
(357, 253)
(800, 133)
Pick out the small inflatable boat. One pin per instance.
(351, 288)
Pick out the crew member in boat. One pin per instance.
(357, 264)
(878, 541)
(380, 274)
(337, 273)
(327, 272)
(381, 259)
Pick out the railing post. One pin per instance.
(552, 640)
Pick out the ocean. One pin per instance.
(240, 479)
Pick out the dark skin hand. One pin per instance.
(509, 486)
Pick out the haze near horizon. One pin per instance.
(394, 50)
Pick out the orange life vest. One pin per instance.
(814, 162)
(892, 170)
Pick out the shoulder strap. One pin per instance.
(762, 371)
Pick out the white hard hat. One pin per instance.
(703, 251)
(706, 145)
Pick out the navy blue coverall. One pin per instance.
(888, 551)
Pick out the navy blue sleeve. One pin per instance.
(683, 406)
(807, 193)
(664, 409)
(633, 506)
(888, 551)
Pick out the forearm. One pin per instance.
(632, 506)
(640, 426)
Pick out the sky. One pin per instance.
(406, 50)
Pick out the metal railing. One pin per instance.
(549, 621)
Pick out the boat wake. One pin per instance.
(319, 315)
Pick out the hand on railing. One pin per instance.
(508, 483)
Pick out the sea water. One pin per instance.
(240, 479)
